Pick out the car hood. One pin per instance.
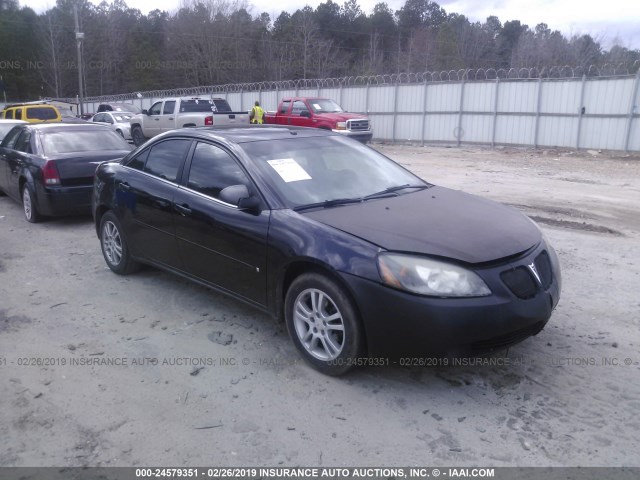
(439, 222)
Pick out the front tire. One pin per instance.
(323, 324)
(29, 205)
(138, 136)
(114, 246)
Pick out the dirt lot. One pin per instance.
(569, 396)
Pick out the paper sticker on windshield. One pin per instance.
(289, 170)
(317, 106)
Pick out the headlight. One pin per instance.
(341, 126)
(429, 277)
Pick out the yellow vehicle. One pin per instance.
(32, 113)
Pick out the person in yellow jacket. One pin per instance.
(257, 114)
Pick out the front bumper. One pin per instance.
(363, 136)
(126, 133)
(57, 201)
(399, 324)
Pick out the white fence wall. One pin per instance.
(595, 113)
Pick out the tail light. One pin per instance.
(208, 120)
(50, 175)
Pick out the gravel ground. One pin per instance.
(117, 378)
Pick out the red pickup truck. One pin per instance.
(321, 113)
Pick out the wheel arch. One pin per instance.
(100, 211)
(299, 267)
(27, 178)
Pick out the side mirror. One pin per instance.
(239, 195)
(145, 112)
(305, 113)
(249, 204)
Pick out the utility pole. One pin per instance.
(79, 38)
(4, 91)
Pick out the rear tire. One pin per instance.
(114, 246)
(29, 205)
(323, 324)
(137, 136)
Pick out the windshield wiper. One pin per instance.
(393, 190)
(345, 201)
(328, 203)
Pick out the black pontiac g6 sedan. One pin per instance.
(361, 258)
(49, 168)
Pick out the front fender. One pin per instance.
(296, 240)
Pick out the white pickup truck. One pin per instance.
(172, 113)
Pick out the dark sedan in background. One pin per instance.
(364, 260)
(49, 168)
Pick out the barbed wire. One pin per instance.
(460, 75)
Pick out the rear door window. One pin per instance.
(8, 114)
(24, 142)
(169, 107)
(165, 159)
(284, 107)
(139, 160)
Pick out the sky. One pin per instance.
(606, 21)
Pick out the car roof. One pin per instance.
(61, 127)
(250, 133)
(27, 104)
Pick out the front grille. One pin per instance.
(520, 282)
(358, 125)
(525, 281)
(543, 266)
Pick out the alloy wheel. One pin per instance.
(319, 324)
(112, 243)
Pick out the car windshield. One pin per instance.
(70, 141)
(126, 108)
(323, 105)
(328, 171)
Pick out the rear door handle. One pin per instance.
(161, 203)
(183, 209)
(125, 186)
